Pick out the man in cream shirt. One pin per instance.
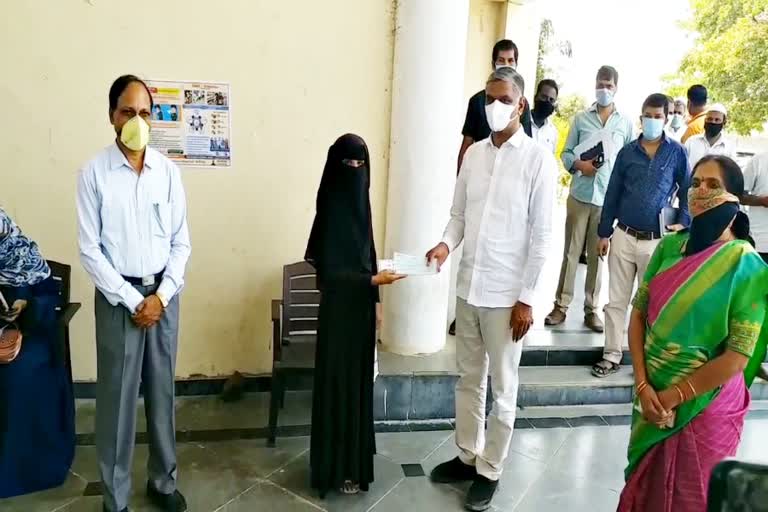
(502, 211)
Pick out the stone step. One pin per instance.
(430, 395)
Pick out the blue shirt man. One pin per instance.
(646, 175)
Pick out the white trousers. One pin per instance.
(484, 343)
(627, 262)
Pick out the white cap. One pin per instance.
(718, 107)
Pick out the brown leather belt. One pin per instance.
(640, 235)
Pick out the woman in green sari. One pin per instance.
(696, 343)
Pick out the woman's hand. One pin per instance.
(653, 410)
(669, 398)
(385, 277)
(15, 310)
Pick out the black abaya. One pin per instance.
(342, 250)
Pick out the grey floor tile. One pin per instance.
(544, 423)
(268, 496)
(594, 453)
(587, 421)
(211, 413)
(409, 447)
(422, 496)
(207, 480)
(90, 504)
(540, 444)
(556, 490)
(251, 411)
(295, 478)
(254, 454)
(520, 471)
(46, 501)
(85, 416)
(754, 442)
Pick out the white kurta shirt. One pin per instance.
(756, 184)
(546, 135)
(502, 211)
(698, 147)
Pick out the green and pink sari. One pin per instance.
(696, 307)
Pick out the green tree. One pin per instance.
(546, 31)
(730, 57)
(568, 107)
(548, 44)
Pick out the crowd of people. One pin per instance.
(666, 213)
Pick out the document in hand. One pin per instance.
(599, 138)
(407, 265)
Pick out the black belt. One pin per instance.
(139, 281)
(640, 235)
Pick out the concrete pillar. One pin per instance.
(427, 113)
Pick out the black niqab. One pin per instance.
(341, 237)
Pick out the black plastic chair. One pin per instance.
(737, 486)
(294, 335)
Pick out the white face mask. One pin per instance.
(513, 66)
(499, 115)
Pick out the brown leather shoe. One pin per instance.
(593, 322)
(556, 317)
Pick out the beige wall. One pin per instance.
(301, 72)
(486, 26)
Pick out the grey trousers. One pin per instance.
(582, 219)
(126, 356)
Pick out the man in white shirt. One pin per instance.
(134, 244)
(676, 125)
(756, 197)
(543, 130)
(712, 141)
(502, 211)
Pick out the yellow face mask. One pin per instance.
(135, 134)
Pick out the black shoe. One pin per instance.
(481, 493)
(453, 471)
(583, 259)
(452, 329)
(168, 502)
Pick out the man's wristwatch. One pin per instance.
(163, 300)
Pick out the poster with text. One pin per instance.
(191, 123)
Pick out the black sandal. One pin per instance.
(604, 369)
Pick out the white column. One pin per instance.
(427, 113)
(522, 26)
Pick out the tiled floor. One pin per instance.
(574, 469)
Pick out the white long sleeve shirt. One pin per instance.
(756, 184)
(132, 224)
(502, 210)
(698, 147)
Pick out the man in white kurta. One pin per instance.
(502, 211)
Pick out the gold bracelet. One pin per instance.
(693, 390)
(640, 387)
(680, 392)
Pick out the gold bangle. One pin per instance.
(640, 387)
(680, 392)
(693, 390)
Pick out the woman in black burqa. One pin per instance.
(342, 250)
